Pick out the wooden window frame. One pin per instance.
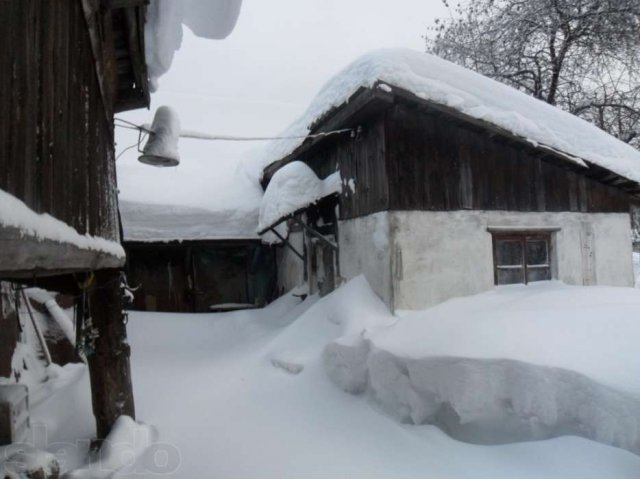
(522, 237)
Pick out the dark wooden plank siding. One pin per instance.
(56, 147)
(361, 160)
(192, 276)
(437, 163)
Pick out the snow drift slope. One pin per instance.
(519, 363)
(215, 386)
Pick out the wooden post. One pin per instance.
(9, 331)
(328, 261)
(111, 391)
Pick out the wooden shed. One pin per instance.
(187, 259)
(67, 67)
(454, 183)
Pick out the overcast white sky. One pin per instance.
(256, 82)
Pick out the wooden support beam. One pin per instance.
(25, 256)
(316, 234)
(287, 243)
(130, 99)
(109, 370)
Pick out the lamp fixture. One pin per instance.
(161, 149)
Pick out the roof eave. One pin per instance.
(24, 255)
(368, 101)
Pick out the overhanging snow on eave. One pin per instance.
(297, 212)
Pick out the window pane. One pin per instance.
(508, 252)
(507, 276)
(538, 274)
(537, 252)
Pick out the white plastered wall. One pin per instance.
(439, 255)
(364, 244)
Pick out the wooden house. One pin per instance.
(67, 66)
(452, 183)
(187, 259)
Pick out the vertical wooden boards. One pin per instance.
(413, 157)
(360, 160)
(56, 144)
(439, 163)
(9, 329)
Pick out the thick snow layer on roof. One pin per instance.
(142, 222)
(163, 29)
(442, 82)
(293, 187)
(205, 197)
(14, 213)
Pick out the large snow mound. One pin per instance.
(15, 213)
(143, 222)
(293, 187)
(257, 377)
(444, 83)
(518, 363)
(163, 28)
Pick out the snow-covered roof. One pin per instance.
(143, 222)
(42, 226)
(444, 83)
(163, 28)
(292, 188)
(206, 197)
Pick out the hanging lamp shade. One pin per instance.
(161, 150)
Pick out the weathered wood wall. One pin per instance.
(192, 276)
(412, 158)
(56, 130)
(361, 159)
(436, 163)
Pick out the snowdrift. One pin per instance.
(515, 364)
(245, 394)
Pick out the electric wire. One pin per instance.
(207, 136)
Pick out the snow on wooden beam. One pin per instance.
(26, 256)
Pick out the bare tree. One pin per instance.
(581, 55)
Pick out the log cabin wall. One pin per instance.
(436, 163)
(56, 128)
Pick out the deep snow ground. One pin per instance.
(223, 409)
